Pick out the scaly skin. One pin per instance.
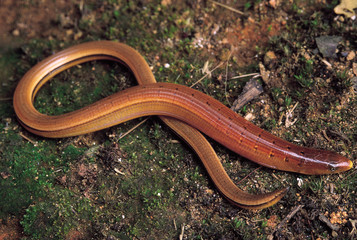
(185, 110)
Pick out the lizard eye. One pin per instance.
(332, 168)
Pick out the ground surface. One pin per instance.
(149, 184)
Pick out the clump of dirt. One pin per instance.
(10, 229)
(245, 38)
(29, 19)
(112, 157)
(82, 177)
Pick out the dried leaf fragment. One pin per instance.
(346, 7)
(251, 90)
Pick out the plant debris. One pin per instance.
(347, 7)
(251, 90)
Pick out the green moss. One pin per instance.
(29, 177)
(304, 76)
(30, 170)
(62, 212)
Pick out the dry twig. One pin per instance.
(28, 139)
(288, 217)
(198, 81)
(229, 8)
(225, 83)
(249, 174)
(289, 114)
(182, 231)
(133, 128)
(246, 75)
(328, 223)
(5, 99)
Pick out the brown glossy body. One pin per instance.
(182, 108)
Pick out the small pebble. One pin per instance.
(280, 101)
(69, 32)
(344, 54)
(354, 68)
(354, 83)
(78, 35)
(328, 45)
(16, 32)
(351, 56)
(269, 57)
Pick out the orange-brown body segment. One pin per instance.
(185, 110)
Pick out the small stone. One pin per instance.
(264, 73)
(215, 29)
(225, 41)
(269, 57)
(165, 2)
(5, 175)
(344, 54)
(249, 117)
(307, 56)
(16, 32)
(328, 45)
(273, 3)
(7, 120)
(78, 35)
(280, 101)
(354, 84)
(351, 56)
(354, 68)
(209, 191)
(69, 32)
(65, 20)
